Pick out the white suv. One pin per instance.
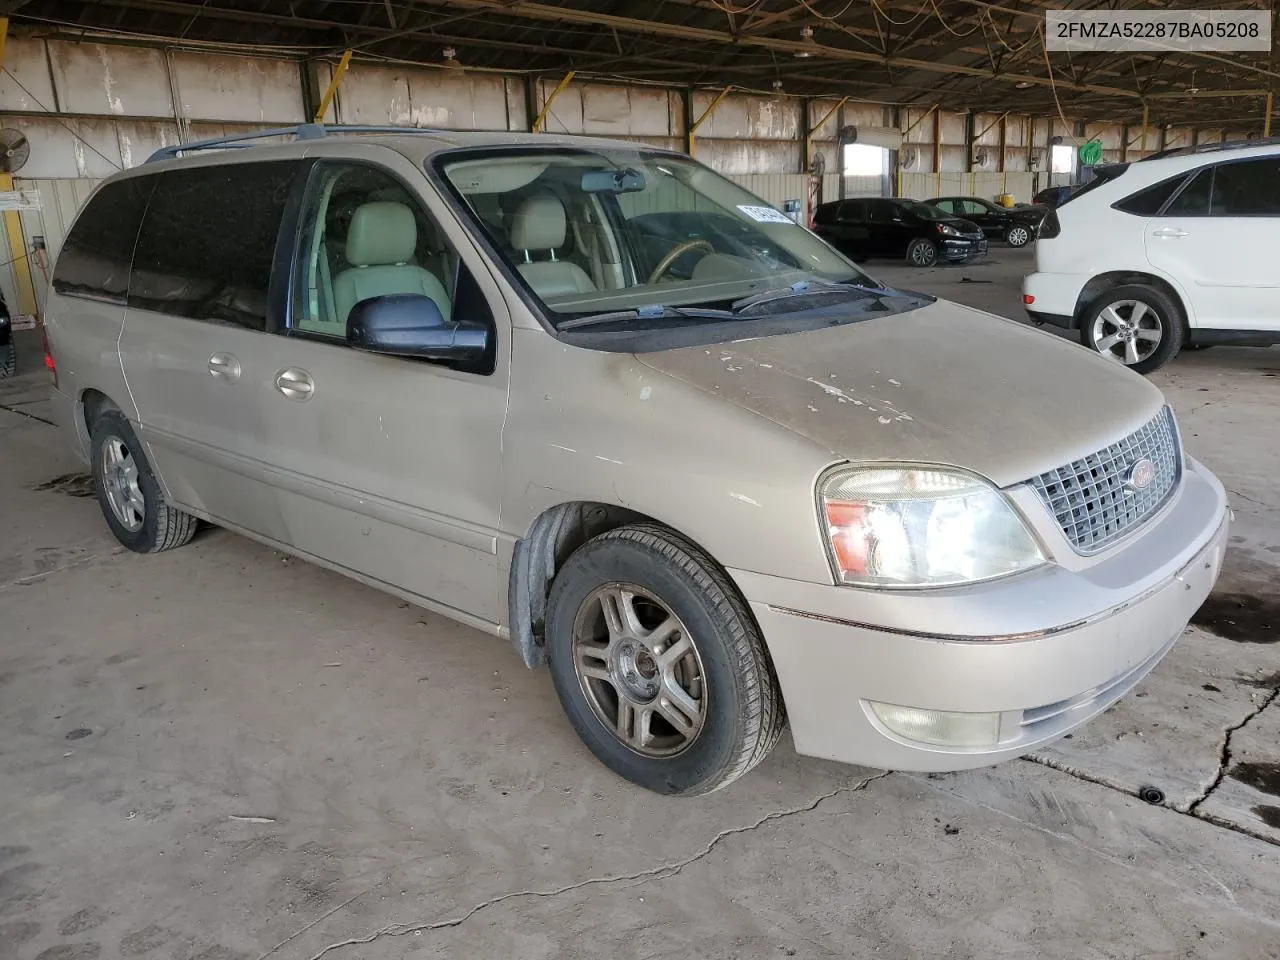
(1176, 249)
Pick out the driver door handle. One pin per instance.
(1172, 233)
(224, 366)
(295, 383)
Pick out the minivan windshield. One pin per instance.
(613, 233)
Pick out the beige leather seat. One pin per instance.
(538, 226)
(380, 247)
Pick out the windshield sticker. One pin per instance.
(764, 214)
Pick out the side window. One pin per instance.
(1247, 188)
(208, 241)
(881, 211)
(946, 206)
(95, 257)
(853, 211)
(1193, 201)
(972, 207)
(364, 234)
(1150, 200)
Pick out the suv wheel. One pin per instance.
(658, 662)
(1135, 325)
(1018, 235)
(922, 253)
(130, 497)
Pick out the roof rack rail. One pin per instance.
(1214, 147)
(303, 131)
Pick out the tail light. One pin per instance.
(50, 364)
(1049, 226)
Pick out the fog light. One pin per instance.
(940, 726)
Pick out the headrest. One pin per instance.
(538, 224)
(381, 232)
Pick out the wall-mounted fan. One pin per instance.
(14, 150)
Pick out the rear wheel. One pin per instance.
(1136, 325)
(922, 253)
(131, 499)
(8, 360)
(658, 662)
(1018, 235)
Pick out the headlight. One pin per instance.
(948, 231)
(920, 526)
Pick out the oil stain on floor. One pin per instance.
(72, 484)
(1240, 617)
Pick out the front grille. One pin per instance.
(1089, 498)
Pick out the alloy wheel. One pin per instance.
(120, 483)
(1127, 331)
(640, 670)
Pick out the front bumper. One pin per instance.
(963, 248)
(1047, 650)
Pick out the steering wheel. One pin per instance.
(674, 254)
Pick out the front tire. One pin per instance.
(1136, 325)
(659, 664)
(1018, 236)
(922, 253)
(131, 499)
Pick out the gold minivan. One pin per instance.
(593, 397)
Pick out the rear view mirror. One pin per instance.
(411, 325)
(612, 181)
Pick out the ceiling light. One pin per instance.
(1023, 85)
(451, 57)
(777, 86)
(810, 46)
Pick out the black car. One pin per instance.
(1053, 197)
(1016, 226)
(897, 227)
(8, 352)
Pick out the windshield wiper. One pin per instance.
(804, 288)
(650, 312)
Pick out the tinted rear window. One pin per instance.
(1247, 188)
(1151, 200)
(94, 260)
(208, 242)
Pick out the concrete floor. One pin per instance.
(224, 754)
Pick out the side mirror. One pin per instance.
(410, 325)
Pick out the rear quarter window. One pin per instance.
(1149, 201)
(208, 241)
(95, 256)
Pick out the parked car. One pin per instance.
(897, 228)
(456, 368)
(1154, 255)
(8, 349)
(1016, 226)
(1052, 197)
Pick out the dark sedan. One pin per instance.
(1016, 226)
(897, 227)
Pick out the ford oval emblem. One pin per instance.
(1140, 475)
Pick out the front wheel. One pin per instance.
(1018, 236)
(922, 253)
(659, 664)
(1136, 325)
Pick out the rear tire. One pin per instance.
(922, 253)
(1136, 325)
(8, 360)
(131, 499)
(1018, 236)
(659, 664)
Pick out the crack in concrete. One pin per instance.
(23, 413)
(643, 876)
(1224, 754)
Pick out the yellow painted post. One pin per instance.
(541, 118)
(332, 89)
(1266, 123)
(26, 290)
(693, 127)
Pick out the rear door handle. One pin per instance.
(1171, 233)
(294, 383)
(224, 366)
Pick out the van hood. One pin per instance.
(942, 384)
